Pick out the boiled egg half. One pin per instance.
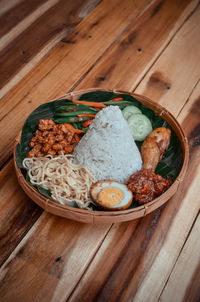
(111, 195)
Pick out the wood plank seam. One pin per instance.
(190, 229)
(125, 30)
(183, 284)
(61, 38)
(89, 7)
(22, 237)
(188, 97)
(27, 21)
(162, 51)
(184, 243)
(44, 47)
(26, 238)
(6, 162)
(106, 43)
(187, 100)
(110, 46)
(89, 263)
(193, 10)
(194, 159)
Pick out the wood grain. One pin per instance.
(60, 71)
(183, 284)
(177, 64)
(53, 259)
(17, 212)
(16, 59)
(188, 193)
(16, 20)
(135, 258)
(190, 123)
(19, 12)
(6, 5)
(139, 47)
(27, 105)
(50, 260)
(19, 114)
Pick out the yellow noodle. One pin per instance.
(67, 182)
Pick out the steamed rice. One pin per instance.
(108, 149)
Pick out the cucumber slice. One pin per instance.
(129, 110)
(140, 126)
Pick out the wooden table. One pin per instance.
(50, 47)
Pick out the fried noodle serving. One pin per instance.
(66, 181)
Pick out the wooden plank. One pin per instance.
(160, 269)
(15, 263)
(189, 118)
(67, 63)
(17, 212)
(96, 21)
(183, 70)
(15, 21)
(21, 54)
(27, 107)
(50, 260)
(6, 5)
(136, 247)
(183, 284)
(17, 13)
(140, 46)
(189, 192)
(17, 116)
(136, 262)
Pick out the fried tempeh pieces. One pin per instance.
(53, 139)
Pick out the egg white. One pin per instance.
(99, 186)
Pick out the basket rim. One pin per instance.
(142, 208)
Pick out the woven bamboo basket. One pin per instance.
(88, 216)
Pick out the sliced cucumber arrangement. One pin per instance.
(129, 110)
(140, 126)
(139, 123)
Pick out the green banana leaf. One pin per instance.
(44, 111)
(169, 166)
(97, 96)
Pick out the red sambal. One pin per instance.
(146, 185)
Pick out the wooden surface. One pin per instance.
(51, 47)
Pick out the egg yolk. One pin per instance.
(110, 196)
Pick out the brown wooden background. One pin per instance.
(50, 47)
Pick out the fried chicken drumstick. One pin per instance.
(145, 184)
(154, 146)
